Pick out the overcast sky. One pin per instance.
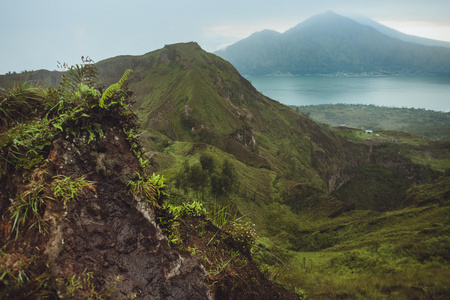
(35, 34)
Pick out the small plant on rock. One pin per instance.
(193, 209)
(151, 188)
(67, 189)
(28, 209)
(81, 286)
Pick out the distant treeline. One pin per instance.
(427, 123)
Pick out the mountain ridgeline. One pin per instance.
(400, 35)
(329, 43)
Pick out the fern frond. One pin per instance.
(112, 89)
(124, 77)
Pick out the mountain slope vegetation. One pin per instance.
(302, 185)
(82, 220)
(193, 96)
(324, 212)
(296, 180)
(328, 44)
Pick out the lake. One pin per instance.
(429, 92)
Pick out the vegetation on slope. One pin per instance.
(243, 155)
(32, 119)
(188, 95)
(296, 219)
(50, 136)
(307, 245)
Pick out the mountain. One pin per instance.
(299, 198)
(182, 93)
(330, 43)
(190, 95)
(399, 35)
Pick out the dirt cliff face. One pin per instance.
(109, 234)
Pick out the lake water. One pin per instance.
(429, 92)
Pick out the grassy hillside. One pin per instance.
(363, 254)
(338, 213)
(322, 247)
(43, 77)
(307, 236)
(189, 95)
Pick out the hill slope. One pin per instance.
(81, 219)
(190, 95)
(329, 43)
(196, 103)
(185, 94)
(294, 181)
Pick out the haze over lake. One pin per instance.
(429, 92)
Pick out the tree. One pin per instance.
(198, 179)
(225, 182)
(207, 162)
(228, 176)
(182, 179)
(216, 185)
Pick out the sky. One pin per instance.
(36, 34)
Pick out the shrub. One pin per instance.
(243, 233)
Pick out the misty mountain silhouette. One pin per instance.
(330, 43)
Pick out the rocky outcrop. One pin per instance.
(110, 235)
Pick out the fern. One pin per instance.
(85, 92)
(112, 89)
(77, 76)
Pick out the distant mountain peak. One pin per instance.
(325, 21)
(328, 15)
(328, 43)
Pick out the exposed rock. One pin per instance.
(105, 233)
